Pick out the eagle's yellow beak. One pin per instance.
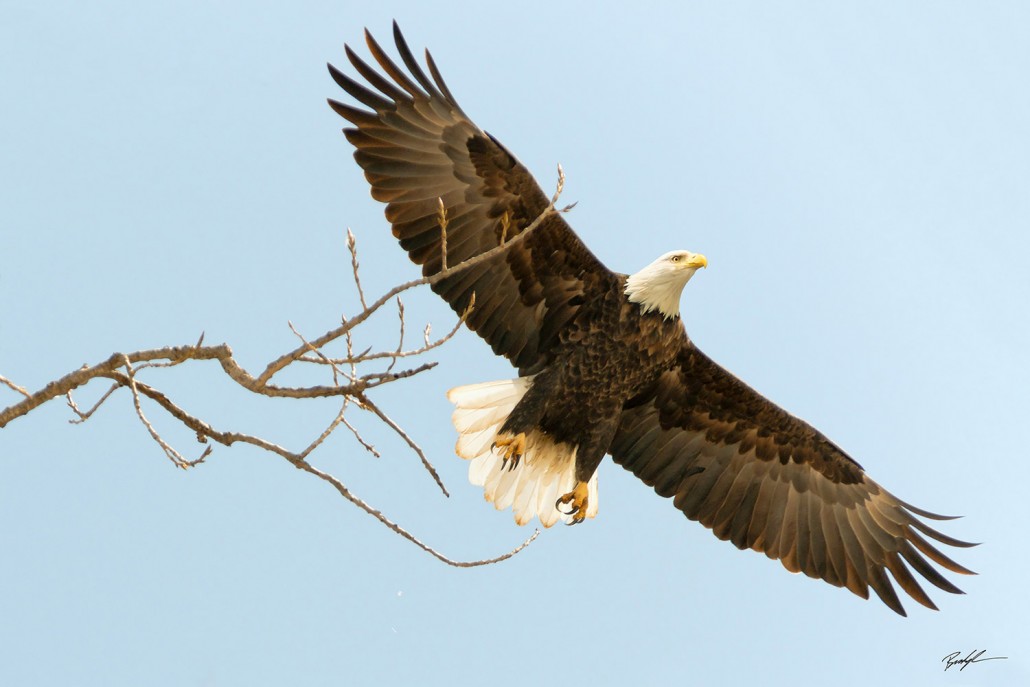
(696, 260)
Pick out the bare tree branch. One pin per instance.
(83, 416)
(86, 373)
(428, 345)
(172, 454)
(15, 387)
(298, 459)
(283, 361)
(350, 380)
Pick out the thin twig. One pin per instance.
(368, 405)
(365, 356)
(349, 340)
(505, 226)
(352, 247)
(14, 387)
(284, 360)
(346, 493)
(83, 416)
(374, 379)
(561, 185)
(322, 357)
(361, 440)
(325, 433)
(172, 454)
(400, 342)
(441, 219)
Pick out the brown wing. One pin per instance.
(417, 146)
(766, 480)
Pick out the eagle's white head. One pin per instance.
(659, 285)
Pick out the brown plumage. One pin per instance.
(605, 364)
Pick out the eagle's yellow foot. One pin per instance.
(577, 498)
(512, 447)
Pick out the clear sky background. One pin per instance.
(856, 173)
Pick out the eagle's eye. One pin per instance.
(676, 258)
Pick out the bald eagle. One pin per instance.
(604, 361)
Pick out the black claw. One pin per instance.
(559, 503)
(514, 459)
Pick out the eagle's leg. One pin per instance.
(512, 446)
(577, 498)
(524, 417)
(588, 456)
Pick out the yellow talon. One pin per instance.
(512, 448)
(578, 498)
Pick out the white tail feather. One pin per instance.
(546, 471)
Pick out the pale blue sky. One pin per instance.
(857, 175)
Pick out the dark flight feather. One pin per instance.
(815, 508)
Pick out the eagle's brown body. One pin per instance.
(576, 399)
(601, 370)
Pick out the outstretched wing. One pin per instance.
(766, 480)
(416, 146)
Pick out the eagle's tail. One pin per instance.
(546, 470)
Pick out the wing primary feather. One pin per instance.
(854, 580)
(920, 565)
(926, 513)
(942, 538)
(905, 579)
(443, 85)
(375, 78)
(359, 92)
(391, 68)
(412, 64)
(936, 556)
(351, 114)
(884, 589)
